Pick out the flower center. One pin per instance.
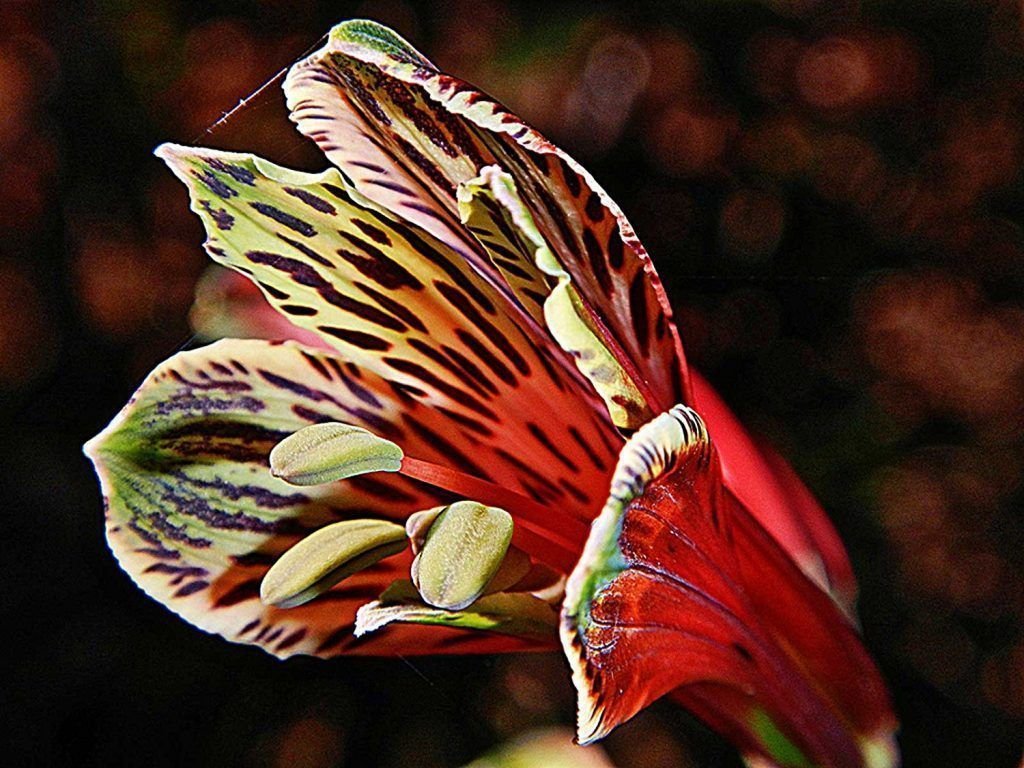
(323, 453)
(534, 520)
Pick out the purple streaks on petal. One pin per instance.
(236, 172)
(191, 588)
(313, 201)
(246, 590)
(220, 216)
(201, 509)
(215, 185)
(260, 496)
(228, 386)
(285, 218)
(191, 404)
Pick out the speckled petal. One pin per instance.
(196, 519)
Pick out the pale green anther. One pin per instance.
(463, 551)
(325, 557)
(323, 453)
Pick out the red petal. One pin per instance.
(769, 489)
(680, 589)
(811, 626)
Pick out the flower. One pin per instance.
(477, 337)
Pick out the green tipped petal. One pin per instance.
(323, 453)
(408, 136)
(196, 519)
(326, 557)
(592, 586)
(380, 38)
(193, 513)
(462, 553)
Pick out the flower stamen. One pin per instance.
(331, 451)
(535, 522)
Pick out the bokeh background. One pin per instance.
(832, 192)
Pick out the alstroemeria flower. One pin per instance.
(466, 293)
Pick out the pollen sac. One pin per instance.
(325, 557)
(462, 552)
(323, 453)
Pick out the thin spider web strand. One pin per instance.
(248, 100)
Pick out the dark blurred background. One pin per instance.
(832, 193)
